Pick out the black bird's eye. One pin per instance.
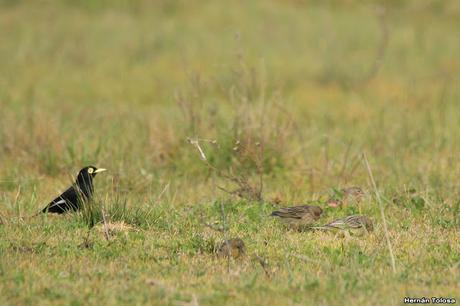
(90, 170)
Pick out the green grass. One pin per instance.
(275, 90)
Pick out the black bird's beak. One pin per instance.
(100, 170)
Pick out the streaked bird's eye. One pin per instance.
(90, 170)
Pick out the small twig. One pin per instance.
(304, 258)
(353, 168)
(311, 179)
(211, 226)
(196, 143)
(264, 264)
(2, 219)
(226, 190)
(16, 198)
(194, 301)
(106, 228)
(222, 211)
(345, 161)
(87, 235)
(214, 227)
(288, 266)
(162, 192)
(307, 259)
(379, 200)
(260, 169)
(245, 190)
(326, 157)
(157, 200)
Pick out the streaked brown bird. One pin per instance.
(352, 223)
(234, 248)
(355, 192)
(299, 215)
(345, 196)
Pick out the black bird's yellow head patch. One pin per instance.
(91, 171)
(86, 175)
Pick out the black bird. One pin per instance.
(80, 192)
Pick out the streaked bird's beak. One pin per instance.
(100, 170)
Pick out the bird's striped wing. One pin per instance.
(295, 212)
(350, 222)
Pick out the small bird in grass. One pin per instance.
(234, 248)
(80, 192)
(354, 222)
(345, 196)
(299, 215)
(354, 192)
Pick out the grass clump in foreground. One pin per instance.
(282, 114)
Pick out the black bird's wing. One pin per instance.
(68, 200)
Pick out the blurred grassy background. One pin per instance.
(123, 84)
